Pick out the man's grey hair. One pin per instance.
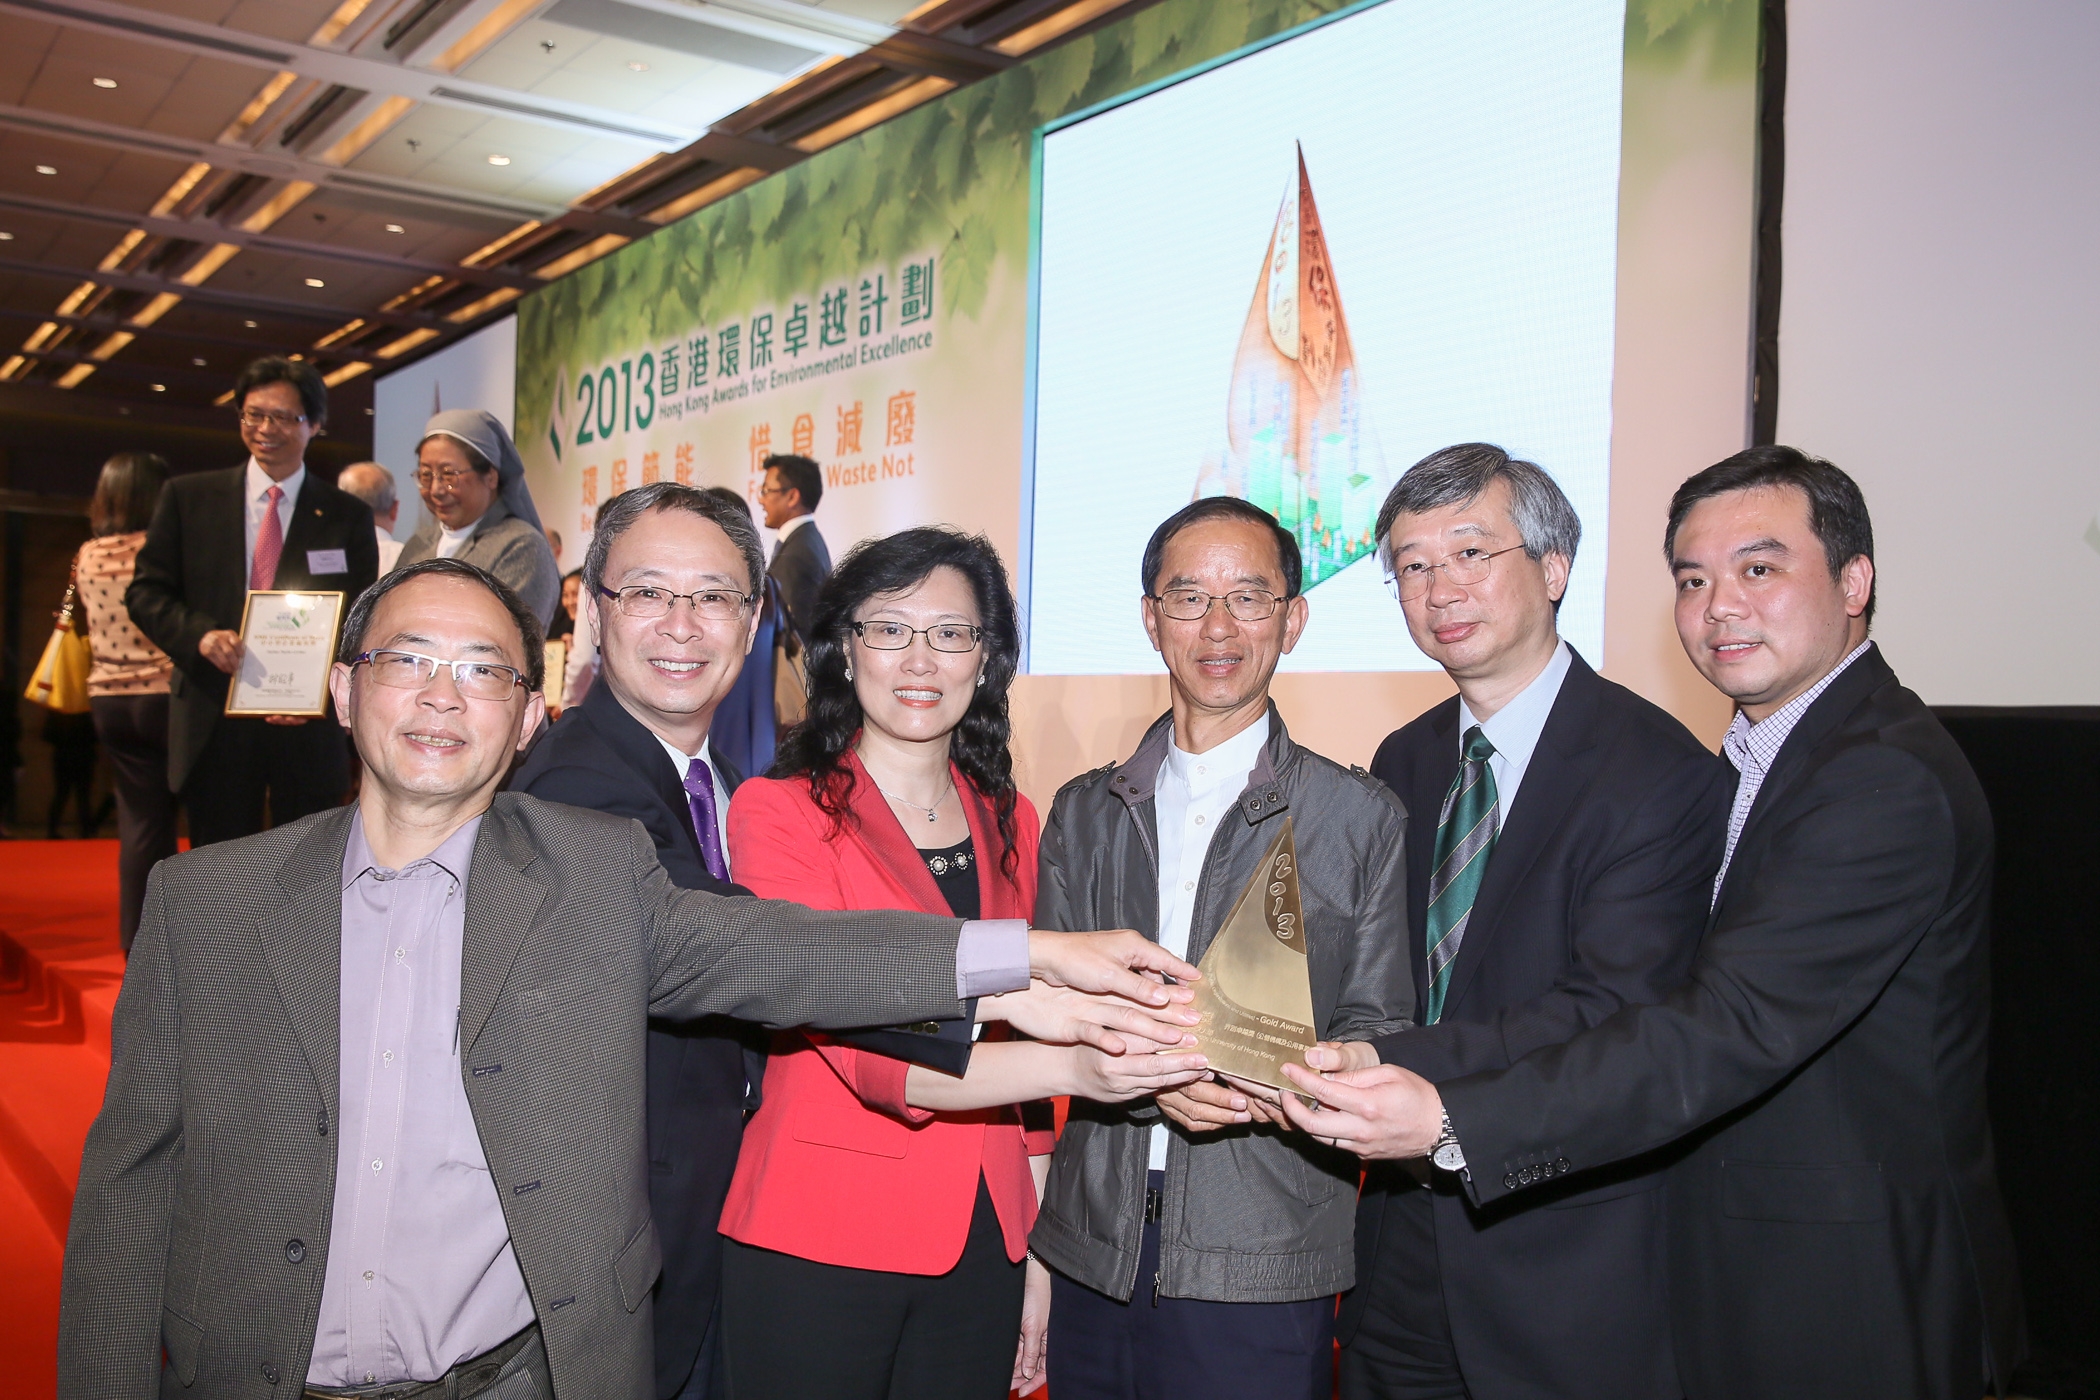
(1458, 475)
(618, 515)
(371, 483)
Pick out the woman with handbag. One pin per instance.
(878, 1220)
(127, 685)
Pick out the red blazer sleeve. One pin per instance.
(877, 1080)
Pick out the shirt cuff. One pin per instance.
(991, 957)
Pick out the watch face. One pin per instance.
(1450, 1156)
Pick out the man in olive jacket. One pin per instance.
(1209, 1266)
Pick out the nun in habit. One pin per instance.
(473, 484)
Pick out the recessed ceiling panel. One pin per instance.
(694, 36)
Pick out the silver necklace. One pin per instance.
(933, 813)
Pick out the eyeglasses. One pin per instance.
(647, 602)
(1469, 566)
(448, 477)
(256, 417)
(1193, 604)
(411, 670)
(895, 636)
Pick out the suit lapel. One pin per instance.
(225, 537)
(505, 889)
(1831, 709)
(302, 943)
(877, 829)
(1434, 766)
(299, 537)
(1561, 766)
(640, 751)
(997, 897)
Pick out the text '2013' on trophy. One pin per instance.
(1255, 996)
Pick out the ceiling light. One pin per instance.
(197, 360)
(47, 170)
(395, 228)
(315, 282)
(249, 324)
(105, 82)
(6, 237)
(493, 160)
(638, 66)
(160, 388)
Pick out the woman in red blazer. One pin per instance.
(880, 1211)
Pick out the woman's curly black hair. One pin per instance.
(816, 748)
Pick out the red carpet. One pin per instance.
(59, 972)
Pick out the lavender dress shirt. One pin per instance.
(421, 1274)
(420, 1270)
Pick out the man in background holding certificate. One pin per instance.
(267, 524)
(1208, 1266)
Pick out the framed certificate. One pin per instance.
(287, 645)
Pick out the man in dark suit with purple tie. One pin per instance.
(672, 572)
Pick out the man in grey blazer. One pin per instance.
(375, 1113)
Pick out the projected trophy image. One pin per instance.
(1298, 441)
(1287, 276)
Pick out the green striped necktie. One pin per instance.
(1465, 838)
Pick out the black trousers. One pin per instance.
(794, 1329)
(299, 768)
(134, 733)
(1402, 1349)
(72, 741)
(1159, 1348)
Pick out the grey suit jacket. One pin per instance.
(202, 1219)
(507, 547)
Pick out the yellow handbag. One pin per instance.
(60, 679)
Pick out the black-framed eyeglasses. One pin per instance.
(1193, 604)
(895, 636)
(256, 417)
(1468, 566)
(647, 602)
(412, 670)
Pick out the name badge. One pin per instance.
(327, 561)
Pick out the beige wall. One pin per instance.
(1680, 396)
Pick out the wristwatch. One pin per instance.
(1445, 1151)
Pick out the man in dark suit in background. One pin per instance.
(671, 572)
(801, 561)
(1595, 823)
(215, 536)
(1835, 1229)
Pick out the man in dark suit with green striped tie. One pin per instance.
(1577, 830)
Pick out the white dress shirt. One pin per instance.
(1515, 730)
(258, 499)
(389, 550)
(683, 763)
(1752, 747)
(1194, 791)
(789, 527)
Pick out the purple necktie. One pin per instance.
(700, 792)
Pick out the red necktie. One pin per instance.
(269, 545)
